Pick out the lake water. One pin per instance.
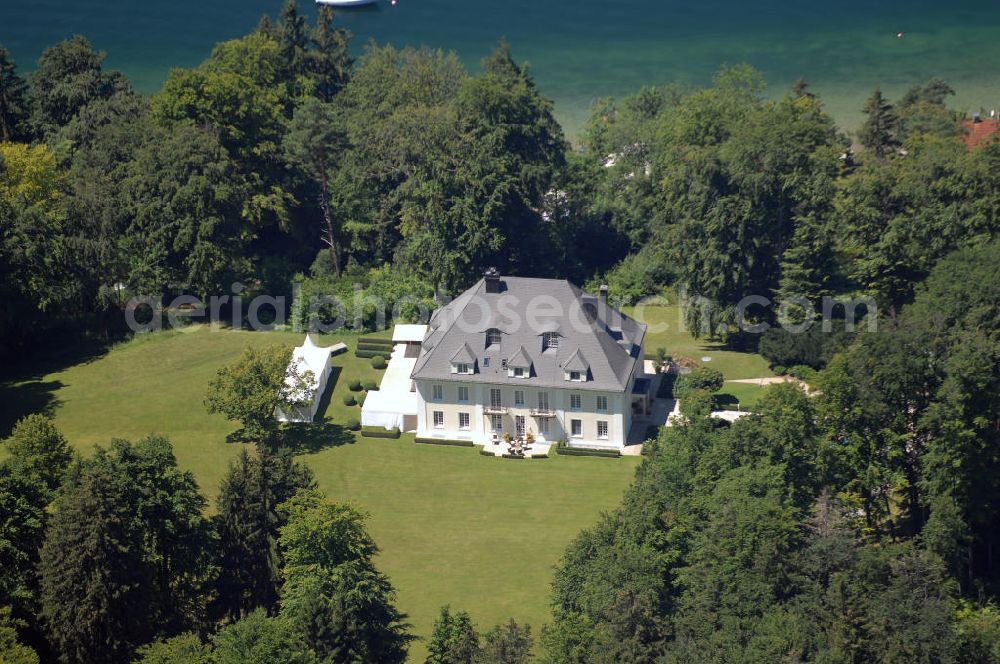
(582, 49)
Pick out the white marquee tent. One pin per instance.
(310, 357)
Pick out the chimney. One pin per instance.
(492, 279)
(604, 293)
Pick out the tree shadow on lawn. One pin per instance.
(21, 398)
(23, 390)
(313, 437)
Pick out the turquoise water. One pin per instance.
(582, 49)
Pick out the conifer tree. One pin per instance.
(878, 133)
(13, 100)
(293, 38)
(248, 524)
(126, 558)
(329, 60)
(454, 639)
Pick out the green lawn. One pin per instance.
(743, 395)
(479, 533)
(666, 330)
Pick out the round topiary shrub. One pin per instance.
(370, 385)
(349, 400)
(378, 362)
(354, 385)
(354, 424)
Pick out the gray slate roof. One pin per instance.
(592, 335)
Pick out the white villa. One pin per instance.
(517, 355)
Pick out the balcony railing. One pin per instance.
(495, 410)
(542, 412)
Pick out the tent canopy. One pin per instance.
(408, 333)
(387, 409)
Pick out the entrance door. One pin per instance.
(519, 425)
(496, 423)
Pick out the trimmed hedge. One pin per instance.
(368, 353)
(586, 451)
(349, 400)
(354, 425)
(378, 362)
(354, 385)
(444, 441)
(379, 432)
(365, 343)
(379, 350)
(486, 453)
(381, 341)
(513, 456)
(370, 385)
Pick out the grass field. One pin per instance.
(667, 331)
(479, 533)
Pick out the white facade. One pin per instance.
(455, 410)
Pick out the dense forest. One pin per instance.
(854, 524)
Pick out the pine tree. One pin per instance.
(293, 38)
(248, 524)
(126, 556)
(454, 639)
(265, 26)
(96, 582)
(13, 100)
(329, 61)
(878, 133)
(808, 267)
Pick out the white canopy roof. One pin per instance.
(409, 333)
(311, 357)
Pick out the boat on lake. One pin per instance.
(346, 3)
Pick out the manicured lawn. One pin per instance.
(739, 394)
(666, 330)
(479, 533)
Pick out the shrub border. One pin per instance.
(379, 432)
(586, 451)
(444, 441)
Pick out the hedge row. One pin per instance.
(377, 350)
(584, 451)
(486, 453)
(371, 345)
(379, 432)
(369, 353)
(444, 441)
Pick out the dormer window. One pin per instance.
(519, 365)
(493, 337)
(577, 368)
(550, 340)
(463, 361)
